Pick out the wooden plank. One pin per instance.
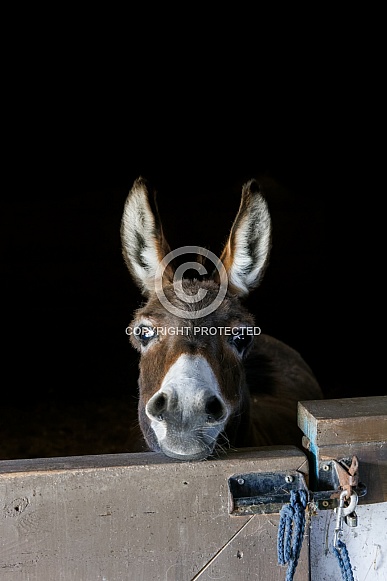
(344, 421)
(139, 517)
(250, 555)
(336, 429)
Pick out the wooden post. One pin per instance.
(342, 428)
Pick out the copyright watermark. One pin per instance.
(143, 330)
(178, 286)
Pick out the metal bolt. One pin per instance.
(326, 467)
(240, 481)
(289, 478)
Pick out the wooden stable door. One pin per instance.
(138, 517)
(144, 517)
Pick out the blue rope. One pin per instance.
(291, 531)
(343, 558)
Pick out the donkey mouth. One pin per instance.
(197, 451)
(186, 446)
(187, 456)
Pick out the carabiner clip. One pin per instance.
(343, 511)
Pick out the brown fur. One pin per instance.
(263, 388)
(260, 385)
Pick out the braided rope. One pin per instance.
(343, 558)
(291, 531)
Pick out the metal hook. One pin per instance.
(343, 511)
(352, 503)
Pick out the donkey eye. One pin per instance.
(145, 334)
(241, 340)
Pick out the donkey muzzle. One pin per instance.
(187, 420)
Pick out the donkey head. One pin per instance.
(193, 334)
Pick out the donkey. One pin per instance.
(208, 379)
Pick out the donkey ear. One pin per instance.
(247, 250)
(142, 239)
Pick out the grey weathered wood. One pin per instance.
(336, 429)
(344, 421)
(139, 517)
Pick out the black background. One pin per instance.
(77, 140)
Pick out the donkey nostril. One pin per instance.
(157, 406)
(214, 409)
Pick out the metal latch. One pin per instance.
(334, 476)
(263, 492)
(267, 492)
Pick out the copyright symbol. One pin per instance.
(178, 286)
